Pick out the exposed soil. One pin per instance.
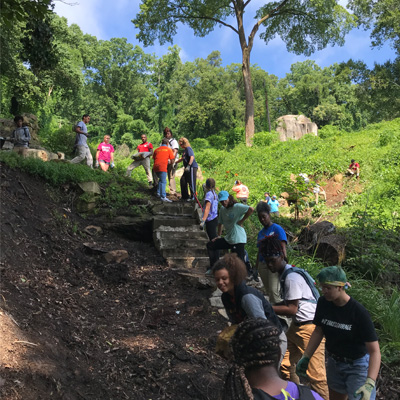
(73, 326)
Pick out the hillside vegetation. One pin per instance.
(369, 216)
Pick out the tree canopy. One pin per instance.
(304, 25)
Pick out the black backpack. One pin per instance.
(304, 391)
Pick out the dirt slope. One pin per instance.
(74, 327)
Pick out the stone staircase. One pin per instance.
(178, 237)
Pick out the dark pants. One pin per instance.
(188, 179)
(222, 244)
(211, 228)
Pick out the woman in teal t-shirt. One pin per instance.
(231, 217)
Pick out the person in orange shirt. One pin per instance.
(242, 192)
(161, 157)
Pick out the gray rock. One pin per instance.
(295, 127)
(216, 302)
(90, 187)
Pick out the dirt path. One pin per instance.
(75, 327)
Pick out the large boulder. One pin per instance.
(295, 127)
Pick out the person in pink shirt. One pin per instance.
(105, 154)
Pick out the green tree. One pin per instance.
(164, 82)
(304, 25)
(207, 98)
(118, 81)
(383, 17)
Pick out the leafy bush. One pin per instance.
(264, 139)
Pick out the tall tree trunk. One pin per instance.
(248, 91)
(248, 87)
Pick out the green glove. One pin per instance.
(302, 365)
(366, 389)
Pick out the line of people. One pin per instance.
(301, 318)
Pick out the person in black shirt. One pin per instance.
(354, 356)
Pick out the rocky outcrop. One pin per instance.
(295, 127)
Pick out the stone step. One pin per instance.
(172, 243)
(178, 236)
(185, 209)
(183, 252)
(175, 229)
(173, 222)
(199, 263)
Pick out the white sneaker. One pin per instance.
(189, 200)
(166, 200)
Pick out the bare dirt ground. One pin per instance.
(73, 326)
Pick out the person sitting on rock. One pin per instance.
(105, 154)
(254, 374)
(20, 137)
(242, 191)
(354, 169)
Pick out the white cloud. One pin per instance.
(84, 14)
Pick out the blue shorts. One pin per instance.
(105, 162)
(347, 378)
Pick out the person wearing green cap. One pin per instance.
(354, 357)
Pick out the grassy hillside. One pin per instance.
(369, 217)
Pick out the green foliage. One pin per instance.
(58, 139)
(264, 139)
(383, 17)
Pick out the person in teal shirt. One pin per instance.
(274, 206)
(231, 217)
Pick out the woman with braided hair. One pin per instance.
(254, 374)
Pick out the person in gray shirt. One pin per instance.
(20, 137)
(81, 142)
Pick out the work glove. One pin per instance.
(187, 168)
(202, 223)
(302, 366)
(112, 165)
(365, 390)
(96, 164)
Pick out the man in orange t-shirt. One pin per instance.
(161, 157)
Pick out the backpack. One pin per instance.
(307, 277)
(304, 392)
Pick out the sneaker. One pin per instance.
(189, 200)
(151, 185)
(209, 272)
(158, 194)
(166, 200)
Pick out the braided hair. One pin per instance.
(255, 344)
(271, 246)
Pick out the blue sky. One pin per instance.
(112, 18)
